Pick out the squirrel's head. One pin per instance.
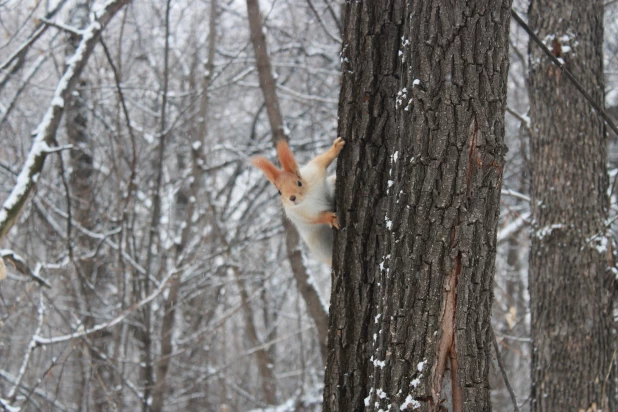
(288, 181)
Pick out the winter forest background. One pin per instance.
(149, 269)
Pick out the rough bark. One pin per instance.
(569, 283)
(267, 83)
(418, 188)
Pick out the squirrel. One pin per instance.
(307, 195)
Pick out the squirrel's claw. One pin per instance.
(338, 144)
(335, 221)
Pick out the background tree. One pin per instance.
(571, 254)
(91, 273)
(422, 111)
(304, 280)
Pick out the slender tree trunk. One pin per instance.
(304, 283)
(512, 304)
(418, 193)
(571, 303)
(148, 372)
(185, 213)
(98, 375)
(264, 361)
(514, 352)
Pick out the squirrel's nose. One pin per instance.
(293, 198)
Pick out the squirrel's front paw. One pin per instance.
(334, 221)
(338, 144)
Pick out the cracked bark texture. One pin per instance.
(418, 190)
(570, 297)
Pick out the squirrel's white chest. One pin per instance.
(314, 202)
(319, 198)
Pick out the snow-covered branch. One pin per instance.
(112, 322)
(513, 193)
(21, 266)
(29, 349)
(45, 133)
(513, 227)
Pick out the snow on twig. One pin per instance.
(513, 227)
(112, 322)
(63, 27)
(20, 265)
(29, 349)
(45, 132)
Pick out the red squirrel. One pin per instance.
(307, 195)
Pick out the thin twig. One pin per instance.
(81, 332)
(334, 16)
(34, 36)
(63, 27)
(26, 82)
(564, 70)
(322, 23)
(46, 130)
(501, 367)
(525, 120)
(31, 346)
(21, 266)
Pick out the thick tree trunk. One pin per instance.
(418, 190)
(569, 283)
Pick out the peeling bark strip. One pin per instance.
(46, 131)
(418, 189)
(446, 346)
(569, 281)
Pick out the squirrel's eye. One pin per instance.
(300, 184)
(279, 191)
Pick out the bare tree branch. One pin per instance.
(502, 371)
(22, 267)
(40, 340)
(46, 130)
(310, 294)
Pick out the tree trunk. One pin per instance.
(418, 194)
(569, 282)
(304, 282)
(515, 353)
(97, 377)
(185, 210)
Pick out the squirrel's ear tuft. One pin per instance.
(286, 157)
(270, 170)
